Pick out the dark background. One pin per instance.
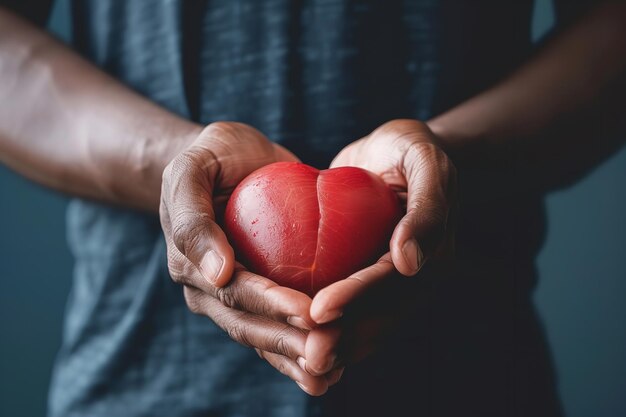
(581, 293)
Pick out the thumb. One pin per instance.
(431, 191)
(188, 217)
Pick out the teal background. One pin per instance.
(580, 294)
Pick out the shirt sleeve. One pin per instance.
(36, 11)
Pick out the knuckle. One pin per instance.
(385, 260)
(194, 301)
(281, 366)
(227, 135)
(237, 332)
(187, 229)
(184, 162)
(175, 266)
(223, 134)
(280, 344)
(185, 172)
(181, 272)
(262, 304)
(182, 235)
(227, 297)
(429, 223)
(400, 126)
(230, 129)
(356, 278)
(257, 284)
(427, 212)
(221, 128)
(254, 289)
(428, 154)
(175, 271)
(190, 167)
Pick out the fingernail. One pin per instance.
(420, 258)
(412, 255)
(211, 265)
(301, 362)
(303, 387)
(298, 322)
(328, 365)
(330, 315)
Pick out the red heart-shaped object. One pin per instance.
(305, 228)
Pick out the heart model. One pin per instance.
(304, 228)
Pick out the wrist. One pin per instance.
(452, 138)
(466, 140)
(150, 155)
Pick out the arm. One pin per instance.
(580, 71)
(69, 126)
(573, 85)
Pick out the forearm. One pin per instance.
(69, 126)
(569, 74)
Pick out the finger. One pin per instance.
(430, 184)
(310, 384)
(334, 376)
(330, 349)
(330, 302)
(257, 294)
(223, 154)
(188, 216)
(249, 329)
(247, 292)
(321, 349)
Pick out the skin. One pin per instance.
(74, 129)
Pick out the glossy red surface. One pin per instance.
(305, 228)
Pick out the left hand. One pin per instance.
(405, 154)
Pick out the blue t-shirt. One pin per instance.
(314, 76)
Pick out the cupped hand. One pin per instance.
(405, 154)
(253, 310)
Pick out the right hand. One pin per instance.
(253, 310)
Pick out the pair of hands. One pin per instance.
(309, 340)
